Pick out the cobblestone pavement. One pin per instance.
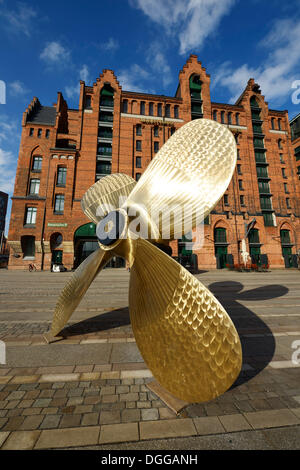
(89, 390)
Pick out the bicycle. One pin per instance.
(32, 267)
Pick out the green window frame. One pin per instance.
(30, 216)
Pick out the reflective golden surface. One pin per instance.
(184, 334)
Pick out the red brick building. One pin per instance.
(64, 151)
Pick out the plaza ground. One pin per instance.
(90, 390)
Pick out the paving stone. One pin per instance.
(123, 389)
(166, 413)
(31, 395)
(25, 403)
(31, 422)
(144, 404)
(196, 410)
(61, 393)
(129, 397)
(213, 409)
(109, 398)
(234, 422)
(50, 421)
(130, 404)
(69, 421)
(42, 402)
(244, 406)
(14, 412)
(49, 411)
(12, 404)
(58, 402)
(75, 401)
(92, 400)
(46, 394)
(131, 415)
(21, 440)
(111, 390)
(83, 409)
(16, 395)
(31, 411)
(3, 437)
(90, 419)
(271, 418)
(124, 432)
(110, 417)
(208, 425)
(150, 414)
(13, 423)
(72, 437)
(167, 428)
(3, 421)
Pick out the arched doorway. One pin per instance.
(290, 260)
(86, 242)
(56, 246)
(220, 239)
(254, 246)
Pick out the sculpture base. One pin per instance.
(175, 404)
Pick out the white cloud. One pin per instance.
(111, 45)
(54, 53)
(18, 88)
(8, 159)
(159, 64)
(192, 21)
(19, 20)
(131, 78)
(72, 91)
(278, 70)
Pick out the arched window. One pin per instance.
(220, 235)
(107, 96)
(215, 115)
(195, 87)
(254, 102)
(125, 106)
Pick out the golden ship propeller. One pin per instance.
(184, 335)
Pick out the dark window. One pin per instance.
(220, 235)
(285, 237)
(138, 162)
(30, 216)
(265, 202)
(150, 109)
(281, 158)
(280, 144)
(239, 169)
(59, 203)
(155, 131)
(236, 136)
(172, 130)
(279, 124)
(268, 219)
(229, 118)
(253, 236)
(138, 145)
(156, 147)
(283, 173)
(226, 199)
(215, 115)
(258, 142)
(137, 176)
(262, 171)
(31, 131)
(241, 184)
(47, 133)
(39, 132)
(138, 129)
(159, 109)
(237, 119)
(288, 204)
(273, 123)
(142, 108)
(34, 186)
(28, 246)
(168, 110)
(286, 188)
(61, 176)
(37, 163)
(263, 187)
(242, 200)
(176, 112)
(222, 117)
(125, 106)
(238, 154)
(104, 149)
(88, 101)
(103, 168)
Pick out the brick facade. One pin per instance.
(119, 131)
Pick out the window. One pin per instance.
(137, 176)
(31, 131)
(176, 112)
(281, 158)
(283, 173)
(138, 162)
(125, 106)
(265, 202)
(215, 115)
(237, 119)
(103, 168)
(138, 129)
(88, 101)
(242, 200)
(37, 163)
(34, 187)
(288, 203)
(262, 171)
(263, 187)
(59, 203)
(142, 108)
(28, 246)
(222, 117)
(238, 154)
(279, 124)
(138, 145)
(39, 133)
(172, 130)
(61, 176)
(47, 133)
(236, 136)
(156, 147)
(279, 143)
(220, 235)
(286, 188)
(226, 200)
(229, 118)
(239, 169)
(258, 142)
(273, 123)
(168, 110)
(156, 131)
(285, 237)
(159, 109)
(268, 219)
(30, 216)
(241, 184)
(104, 149)
(150, 109)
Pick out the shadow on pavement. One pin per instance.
(257, 350)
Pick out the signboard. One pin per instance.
(50, 224)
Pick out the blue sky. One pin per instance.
(49, 46)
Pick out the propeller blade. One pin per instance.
(104, 195)
(76, 287)
(184, 334)
(189, 175)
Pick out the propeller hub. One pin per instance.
(112, 228)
